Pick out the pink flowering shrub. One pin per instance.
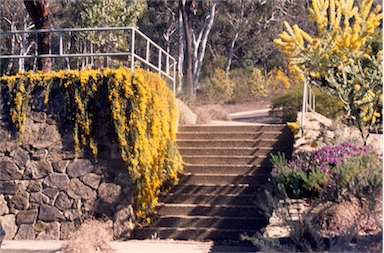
(332, 173)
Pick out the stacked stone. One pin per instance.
(45, 192)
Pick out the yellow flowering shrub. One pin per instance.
(220, 87)
(141, 107)
(277, 79)
(294, 126)
(339, 59)
(256, 83)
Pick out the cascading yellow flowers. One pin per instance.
(141, 107)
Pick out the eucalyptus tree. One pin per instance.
(196, 19)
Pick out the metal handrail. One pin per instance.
(309, 102)
(169, 70)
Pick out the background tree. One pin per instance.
(15, 17)
(196, 26)
(110, 13)
(113, 13)
(160, 22)
(244, 20)
(243, 33)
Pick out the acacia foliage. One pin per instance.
(338, 58)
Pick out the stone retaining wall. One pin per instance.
(45, 191)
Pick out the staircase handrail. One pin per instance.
(169, 70)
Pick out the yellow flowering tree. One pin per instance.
(338, 59)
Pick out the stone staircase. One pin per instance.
(220, 191)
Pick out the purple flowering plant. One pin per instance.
(327, 172)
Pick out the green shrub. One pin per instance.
(250, 83)
(240, 85)
(290, 102)
(219, 87)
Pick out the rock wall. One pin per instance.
(45, 190)
(321, 131)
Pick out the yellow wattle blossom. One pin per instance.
(338, 58)
(298, 35)
(294, 126)
(315, 75)
(277, 78)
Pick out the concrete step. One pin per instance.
(221, 169)
(209, 179)
(225, 160)
(211, 222)
(231, 135)
(208, 210)
(230, 151)
(215, 189)
(197, 234)
(211, 199)
(226, 129)
(233, 143)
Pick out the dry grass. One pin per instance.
(186, 115)
(92, 236)
(207, 113)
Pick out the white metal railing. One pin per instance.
(161, 61)
(308, 102)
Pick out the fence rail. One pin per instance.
(139, 49)
(309, 102)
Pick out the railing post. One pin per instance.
(160, 62)
(106, 63)
(147, 53)
(133, 51)
(167, 64)
(314, 102)
(1, 60)
(304, 106)
(60, 43)
(174, 77)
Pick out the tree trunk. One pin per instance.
(240, 26)
(180, 60)
(37, 10)
(200, 45)
(230, 53)
(186, 9)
